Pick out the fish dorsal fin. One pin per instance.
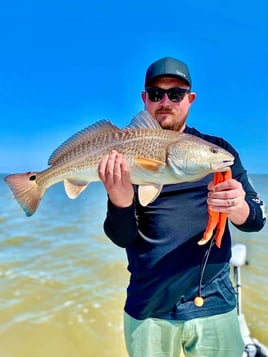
(73, 188)
(143, 120)
(148, 193)
(79, 138)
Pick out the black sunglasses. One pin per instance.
(176, 94)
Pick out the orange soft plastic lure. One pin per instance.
(216, 219)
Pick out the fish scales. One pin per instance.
(130, 142)
(155, 157)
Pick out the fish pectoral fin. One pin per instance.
(148, 193)
(150, 164)
(73, 187)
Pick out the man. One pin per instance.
(168, 268)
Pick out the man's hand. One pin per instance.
(229, 197)
(113, 172)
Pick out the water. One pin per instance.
(62, 282)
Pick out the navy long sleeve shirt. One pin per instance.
(164, 259)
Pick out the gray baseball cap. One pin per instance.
(168, 66)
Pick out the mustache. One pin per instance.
(166, 110)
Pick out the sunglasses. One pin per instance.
(175, 95)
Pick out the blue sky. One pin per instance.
(66, 64)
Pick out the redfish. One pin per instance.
(155, 157)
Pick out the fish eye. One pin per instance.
(214, 150)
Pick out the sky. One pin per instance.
(66, 64)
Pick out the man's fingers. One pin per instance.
(102, 167)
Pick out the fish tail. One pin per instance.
(26, 191)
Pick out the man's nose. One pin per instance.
(165, 99)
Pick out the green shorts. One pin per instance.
(214, 336)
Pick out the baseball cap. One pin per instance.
(168, 66)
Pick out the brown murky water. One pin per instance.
(62, 282)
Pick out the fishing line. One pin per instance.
(199, 300)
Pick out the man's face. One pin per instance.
(169, 114)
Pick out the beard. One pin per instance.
(168, 119)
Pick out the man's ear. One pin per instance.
(191, 97)
(143, 96)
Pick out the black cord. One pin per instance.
(204, 263)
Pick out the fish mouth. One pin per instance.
(221, 166)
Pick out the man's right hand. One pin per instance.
(113, 172)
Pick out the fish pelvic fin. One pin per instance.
(150, 164)
(25, 190)
(73, 188)
(148, 193)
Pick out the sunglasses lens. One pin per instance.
(155, 94)
(175, 95)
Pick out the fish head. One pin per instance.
(194, 157)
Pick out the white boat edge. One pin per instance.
(253, 348)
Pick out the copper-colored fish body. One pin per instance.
(155, 157)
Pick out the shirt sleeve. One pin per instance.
(256, 218)
(120, 224)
